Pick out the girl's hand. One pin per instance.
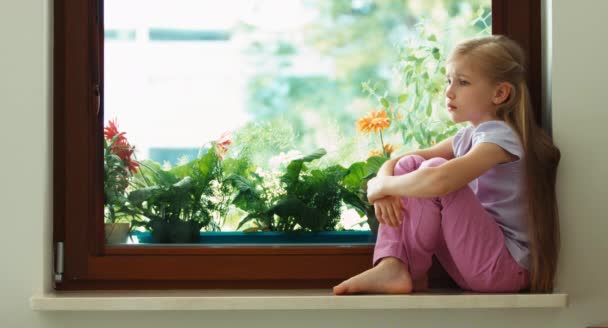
(375, 188)
(389, 210)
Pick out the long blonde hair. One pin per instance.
(502, 60)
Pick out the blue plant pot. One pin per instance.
(273, 238)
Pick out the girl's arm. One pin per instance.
(442, 149)
(443, 179)
(388, 210)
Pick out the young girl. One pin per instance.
(483, 202)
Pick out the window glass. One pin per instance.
(259, 121)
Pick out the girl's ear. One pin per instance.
(501, 93)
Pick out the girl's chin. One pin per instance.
(455, 118)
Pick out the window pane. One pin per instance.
(246, 119)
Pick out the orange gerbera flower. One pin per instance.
(375, 153)
(376, 121)
(389, 149)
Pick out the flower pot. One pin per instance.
(273, 238)
(117, 233)
(175, 231)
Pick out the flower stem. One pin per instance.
(382, 142)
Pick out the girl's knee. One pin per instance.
(407, 164)
(433, 162)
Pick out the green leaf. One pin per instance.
(351, 199)
(302, 214)
(354, 178)
(240, 166)
(408, 138)
(294, 168)
(374, 163)
(290, 177)
(312, 156)
(419, 138)
(408, 120)
(385, 102)
(432, 38)
(207, 162)
(184, 183)
(240, 182)
(246, 219)
(137, 197)
(402, 98)
(408, 76)
(424, 103)
(429, 110)
(334, 173)
(436, 53)
(249, 201)
(184, 170)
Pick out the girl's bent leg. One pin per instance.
(389, 273)
(467, 240)
(472, 249)
(390, 240)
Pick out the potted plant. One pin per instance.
(119, 167)
(305, 200)
(175, 204)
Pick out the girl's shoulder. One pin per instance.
(500, 133)
(461, 143)
(497, 132)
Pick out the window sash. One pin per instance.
(78, 180)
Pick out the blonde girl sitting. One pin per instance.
(483, 202)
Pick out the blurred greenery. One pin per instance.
(363, 40)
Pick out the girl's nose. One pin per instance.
(449, 92)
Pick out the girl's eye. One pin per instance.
(449, 81)
(463, 82)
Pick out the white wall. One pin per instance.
(579, 114)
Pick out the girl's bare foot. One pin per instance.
(390, 276)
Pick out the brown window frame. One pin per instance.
(77, 180)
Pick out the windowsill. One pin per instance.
(307, 299)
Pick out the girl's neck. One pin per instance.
(489, 119)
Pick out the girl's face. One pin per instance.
(469, 95)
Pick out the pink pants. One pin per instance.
(455, 228)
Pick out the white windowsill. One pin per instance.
(307, 299)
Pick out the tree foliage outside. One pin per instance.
(374, 54)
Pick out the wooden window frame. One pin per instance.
(77, 180)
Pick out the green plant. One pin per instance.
(301, 199)
(312, 199)
(416, 107)
(177, 203)
(118, 169)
